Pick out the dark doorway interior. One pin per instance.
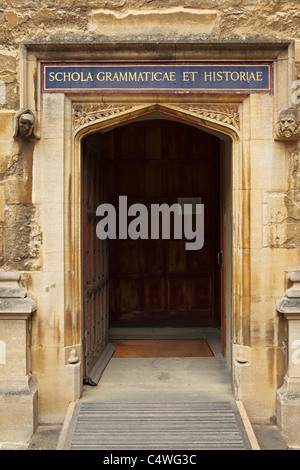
(158, 283)
(149, 283)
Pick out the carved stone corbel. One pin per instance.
(25, 125)
(288, 125)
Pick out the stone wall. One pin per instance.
(19, 228)
(74, 20)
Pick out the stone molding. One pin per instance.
(288, 395)
(225, 114)
(291, 303)
(18, 393)
(14, 303)
(294, 290)
(10, 285)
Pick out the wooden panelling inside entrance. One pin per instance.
(154, 283)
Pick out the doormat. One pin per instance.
(161, 348)
(142, 426)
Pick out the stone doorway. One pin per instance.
(244, 121)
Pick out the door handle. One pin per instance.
(220, 258)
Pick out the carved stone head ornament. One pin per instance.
(24, 124)
(288, 126)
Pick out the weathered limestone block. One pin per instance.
(8, 80)
(14, 19)
(281, 220)
(59, 370)
(288, 396)
(161, 21)
(255, 369)
(75, 19)
(22, 237)
(8, 64)
(6, 127)
(18, 394)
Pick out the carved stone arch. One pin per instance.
(93, 117)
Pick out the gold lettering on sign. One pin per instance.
(70, 76)
(136, 76)
(233, 76)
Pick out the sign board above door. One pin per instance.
(154, 78)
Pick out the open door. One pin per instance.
(222, 253)
(95, 276)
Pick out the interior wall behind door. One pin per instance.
(158, 282)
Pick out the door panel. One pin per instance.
(158, 282)
(94, 259)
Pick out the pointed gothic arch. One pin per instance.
(93, 117)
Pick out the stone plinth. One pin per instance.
(288, 396)
(18, 394)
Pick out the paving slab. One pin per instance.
(46, 437)
(269, 437)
